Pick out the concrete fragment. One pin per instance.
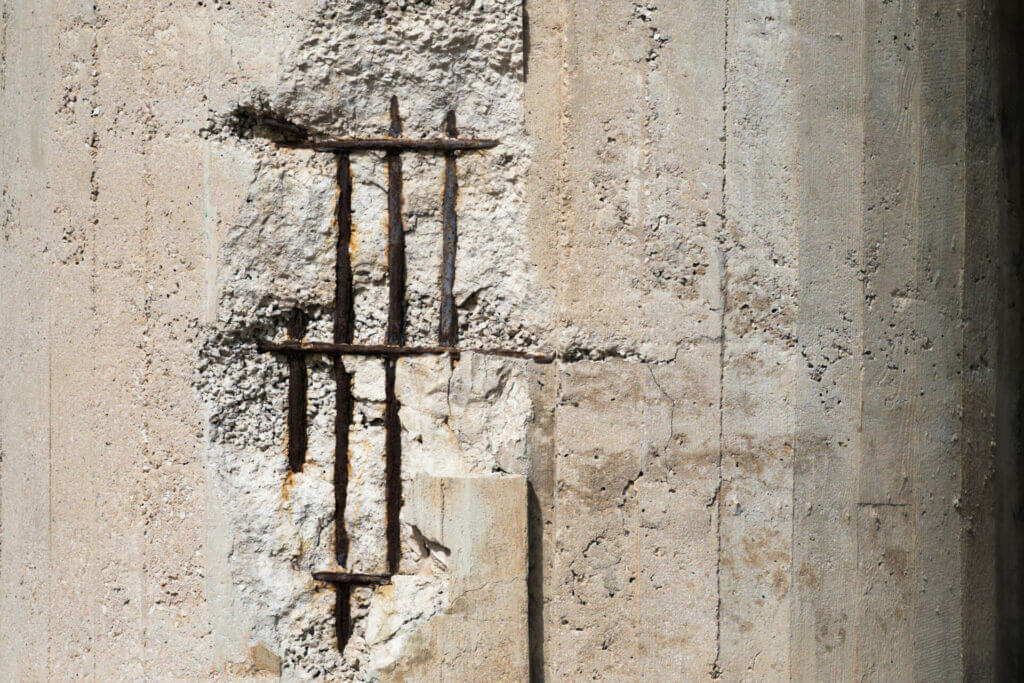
(478, 524)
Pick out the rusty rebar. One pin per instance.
(297, 389)
(344, 324)
(303, 138)
(395, 336)
(449, 326)
(343, 332)
(392, 467)
(393, 144)
(385, 351)
(352, 578)
(342, 611)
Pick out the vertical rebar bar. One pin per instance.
(449, 327)
(396, 238)
(392, 467)
(396, 337)
(297, 389)
(343, 334)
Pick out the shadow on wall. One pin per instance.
(993, 425)
(1011, 622)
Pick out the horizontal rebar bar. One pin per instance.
(353, 578)
(392, 145)
(384, 350)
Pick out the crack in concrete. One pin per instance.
(668, 397)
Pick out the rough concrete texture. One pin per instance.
(775, 246)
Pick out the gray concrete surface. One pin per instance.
(775, 246)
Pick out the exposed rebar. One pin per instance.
(297, 389)
(449, 326)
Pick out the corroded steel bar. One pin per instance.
(342, 612)
(383, 350)
(353, 579)
(449, 325)
(297, 388)
(393, 144)
(343, 583)
(301, 139)
(343, 330)
(392, 466)
(344, 324)
(395, 336)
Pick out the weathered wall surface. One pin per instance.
(773, 231)
(775, 246)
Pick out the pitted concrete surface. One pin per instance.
(774, 246)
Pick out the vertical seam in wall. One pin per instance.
(4, 19)
(862, 265)
(145, 392)
(51, 579)
(209, 306)
(49, 463)
(723, 281)
(552, 657)
(962, 564)
(644, 172)
(792, 593)
(5, 187)
(93, 272)
(912, 499)
(862, 114)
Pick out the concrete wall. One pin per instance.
(775, 246)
